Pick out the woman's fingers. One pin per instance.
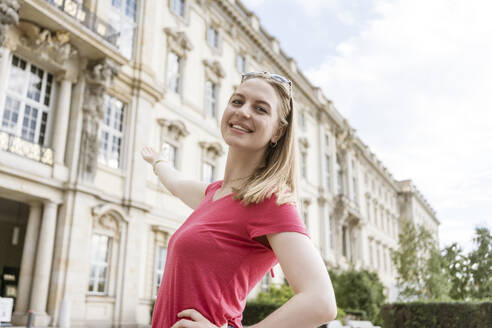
(183, 323)
(193, 314)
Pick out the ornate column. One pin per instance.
(27, 265)
(41, 279)
(98, 78)
(9, 14)
(61, 122)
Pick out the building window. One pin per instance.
(332, 232)
(265, 282)
(241, 63)
(160, 264)
(210, 98)
(178, 7)
(213, 37)
(122, 18)
(208, 172)
(111, 132)
(172, 153)
(338, 169)
(344, 241)
(371, 258)
(99, 264)
(28, 102)
(327, 172)
(173, 72)
(304, 165)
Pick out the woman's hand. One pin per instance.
(197, 320)
(149, 154)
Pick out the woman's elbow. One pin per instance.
(328, 309)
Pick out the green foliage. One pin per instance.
(420, 271)
(265, 303)
(256, 311)
(437, 315)
(275, 295)
(457, 266)
(481, 264)
(340, 315)
(470, 275)
(359, 290)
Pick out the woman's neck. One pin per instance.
(240, 165)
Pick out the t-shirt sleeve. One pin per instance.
(277, 219)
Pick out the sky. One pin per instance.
(414, 78)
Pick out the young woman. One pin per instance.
(243, 225)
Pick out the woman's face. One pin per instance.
(250, 120)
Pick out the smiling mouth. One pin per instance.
(237, 127)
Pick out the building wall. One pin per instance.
(88, 197)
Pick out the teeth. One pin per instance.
(239, 128)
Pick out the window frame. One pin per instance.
(23, 100)
(124, 22)
(104, 157)
(107, 265)
(213, 171)
(211, 99)
(178, 75)
(157, 270)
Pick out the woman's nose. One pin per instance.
(244, 111)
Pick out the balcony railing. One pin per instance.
(87, 18)
(19, 146)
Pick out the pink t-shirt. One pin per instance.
(213, 262)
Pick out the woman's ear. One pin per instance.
(278, 134)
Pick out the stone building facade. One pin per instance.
(85, 84)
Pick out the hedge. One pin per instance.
(437, 315)
(256, 311)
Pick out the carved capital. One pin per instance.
(174, 129)
(178, 42)
(9, 15)
(213, 150)
(213, 70)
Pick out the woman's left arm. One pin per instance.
(314, 301)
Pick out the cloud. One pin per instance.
(415, 82)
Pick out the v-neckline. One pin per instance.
(225, 196)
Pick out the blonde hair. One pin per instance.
(278, 172)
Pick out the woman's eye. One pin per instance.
(261, 109)
(236, 102)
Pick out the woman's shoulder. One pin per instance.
(213, 186)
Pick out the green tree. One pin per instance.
(359, 290)
(420, 272)
(275, 295)
(457, 265)
(481, 264)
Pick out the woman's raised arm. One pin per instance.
(191, 192)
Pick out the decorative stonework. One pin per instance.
(173, 129)
(178, 42)
(52, 46)
(108, 219)
(9, 15)
(213, 150)
(303, 144)
(213, 70)
(345, 139)
(98, 78)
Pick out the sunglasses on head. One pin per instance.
(273, 76)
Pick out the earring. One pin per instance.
(273, 144)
